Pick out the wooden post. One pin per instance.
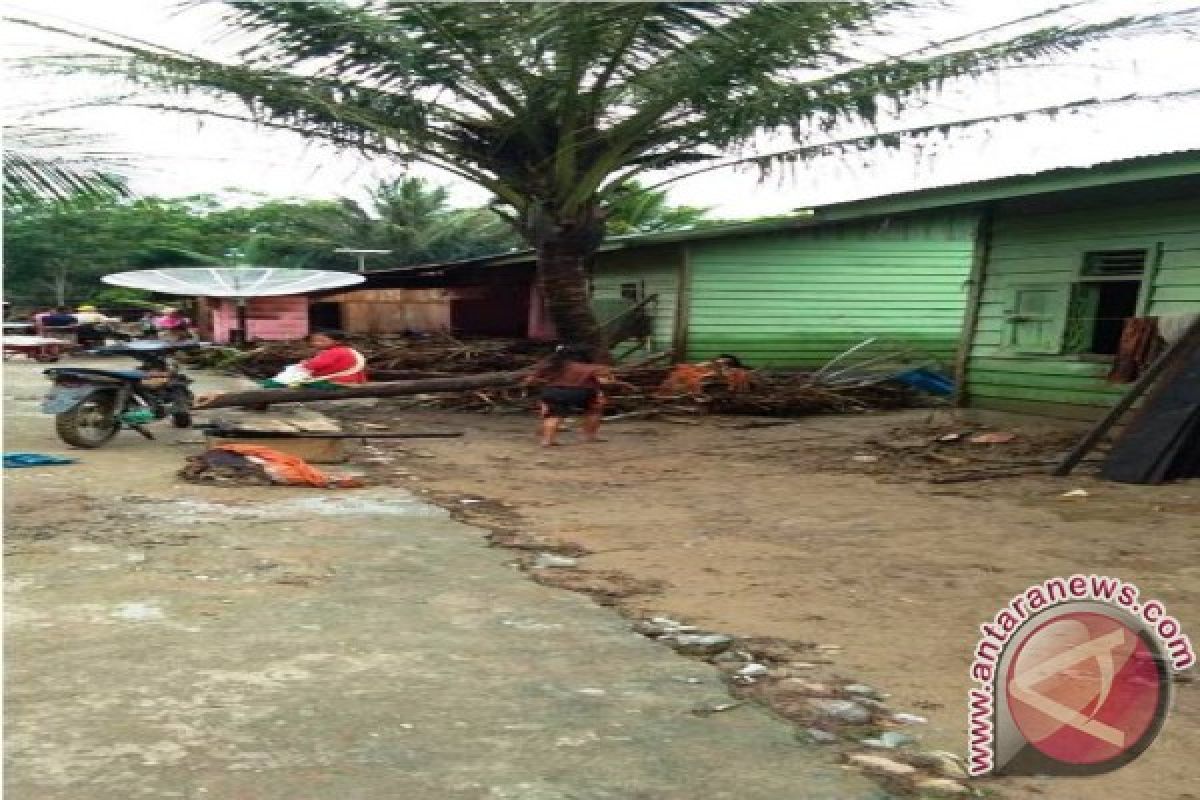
(683, 297)
(240, 336)
(976, 280)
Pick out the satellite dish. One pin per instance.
(239, 283)
(236, 282)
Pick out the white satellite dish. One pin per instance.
(239, 283)
(236, 282)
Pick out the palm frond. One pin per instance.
(891, 139)
(547, 104)
(46, 164)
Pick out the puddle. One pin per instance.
(137, 612)
(404, 506)
(399, 504)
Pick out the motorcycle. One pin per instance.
(91, 405)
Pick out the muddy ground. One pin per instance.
(171, 640)
(826, 530)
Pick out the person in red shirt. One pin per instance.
(335, 361)
(335, 364)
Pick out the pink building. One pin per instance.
(267, 318)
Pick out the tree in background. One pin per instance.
(300, 234)
(630, 208)
(553, 106)
(56, 251)
(417, 223)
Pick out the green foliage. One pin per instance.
(632, 209)
(551, 106)
(53, 248)
(51, 164)
(113, 296)
(57, 251)
(417, 223)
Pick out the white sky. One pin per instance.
(177, 154)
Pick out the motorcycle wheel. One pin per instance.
(91, 423)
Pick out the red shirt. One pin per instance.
(333, 360)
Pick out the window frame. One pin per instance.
(1057, 318)
(1154, 255)
(639, 290)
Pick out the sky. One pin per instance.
(174, 154)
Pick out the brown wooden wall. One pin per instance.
(394, 310)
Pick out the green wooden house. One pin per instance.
(1061, 260)
(1019, 286)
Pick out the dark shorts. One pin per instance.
(560, 401)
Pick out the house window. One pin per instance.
(631, 292)
(1082, 317)
(1105, 296)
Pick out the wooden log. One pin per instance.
(226, 433)
(270, 397)
(389, 375)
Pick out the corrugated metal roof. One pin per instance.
(1175, 164)
(1152, 167)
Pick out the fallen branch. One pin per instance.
(259, 397)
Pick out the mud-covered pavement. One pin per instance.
(171, 640)
(770, 528)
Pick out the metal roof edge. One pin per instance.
(1060, 179)
(624, 242)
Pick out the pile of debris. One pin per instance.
(647, 387)
(646, 394)
(389, 357)
(254, 465)
(957, 454)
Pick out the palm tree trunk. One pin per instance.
(59, 284)
(562, 258)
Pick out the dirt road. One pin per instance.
(168, 640)
(777, 531)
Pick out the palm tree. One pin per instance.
(632, 208)
(552, 106)
(51, 164)
(416, 222)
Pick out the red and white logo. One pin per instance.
(1085, 688)
(1072, 677)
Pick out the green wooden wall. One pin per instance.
(1045, 249)
(656, 270)
(799, 298)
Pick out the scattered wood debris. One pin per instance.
(389, 357)
(649, 391)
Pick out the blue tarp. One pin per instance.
(926, 380)
(14, 460)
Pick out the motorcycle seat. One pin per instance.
(84, 372)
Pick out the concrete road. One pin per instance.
(169, 640)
